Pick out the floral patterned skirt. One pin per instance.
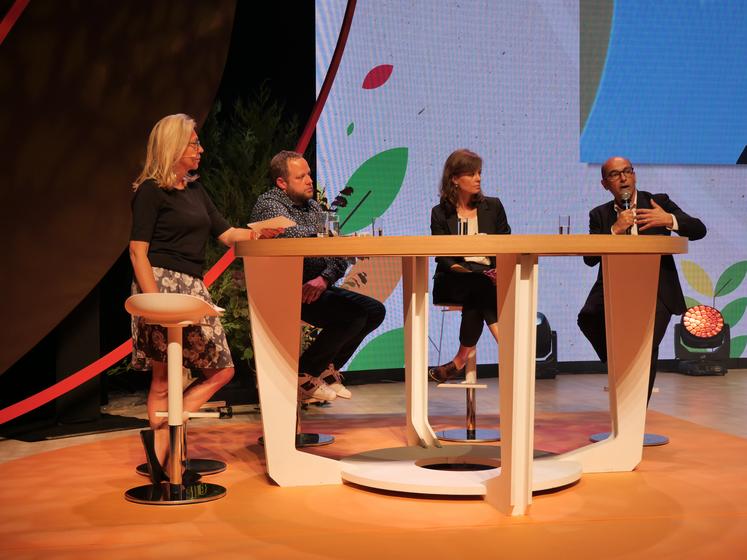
(204, 346)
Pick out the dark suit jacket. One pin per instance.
(491, 219)
(670, 294)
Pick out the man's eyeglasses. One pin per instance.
(615, 175)
(196, 144)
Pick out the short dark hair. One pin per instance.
(279, 164)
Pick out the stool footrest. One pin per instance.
(213, 404)
(461, 386)
(192, 414)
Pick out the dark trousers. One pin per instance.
(591, 323)
(476, 294)
(345, 319)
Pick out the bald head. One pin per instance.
(615, 162)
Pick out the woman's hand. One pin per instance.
(459, 268)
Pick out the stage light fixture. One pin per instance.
(702, 342)
(547, 349)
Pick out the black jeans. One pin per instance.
(476, 294)
(345, 318)
(591, 323)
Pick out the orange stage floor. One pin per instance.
(687, 500)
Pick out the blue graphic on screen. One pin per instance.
(419, 79)
(674, 86)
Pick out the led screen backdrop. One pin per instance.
(419, 79)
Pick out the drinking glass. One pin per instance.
(333, 225)
(377, 226)
(564, 225)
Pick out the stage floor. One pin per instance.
(688, 499)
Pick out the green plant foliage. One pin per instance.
(386, 351)
(376, 184)
(239, 144)
(733, 311)
(731, 278)
(698, 278)
(737, 346)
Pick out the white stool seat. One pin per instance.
(171, 309)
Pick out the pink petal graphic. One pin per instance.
(377, 76)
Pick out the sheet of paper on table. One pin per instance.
(272, 223)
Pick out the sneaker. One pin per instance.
(313, 389)
(334, 378)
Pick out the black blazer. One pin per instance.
(670, 294)
(491, 219)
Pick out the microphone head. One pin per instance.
(625, 195)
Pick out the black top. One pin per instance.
(177, 224)
(274, 203)
(491, 219)
(601, 219)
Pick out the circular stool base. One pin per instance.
(649, 440)
(469, 436)
(200, 466)
(308, 440)
(165, 494)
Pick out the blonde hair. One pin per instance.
(166, 144)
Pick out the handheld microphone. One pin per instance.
(625, 195)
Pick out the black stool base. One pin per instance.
(308, 440)
(166, 494)
(464, 435)
(200, 466)
(649, 440)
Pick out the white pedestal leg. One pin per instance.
(630, 287)
(274, 291)
(511, 491)
(415, 305)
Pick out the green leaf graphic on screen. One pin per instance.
(351, 128)
(698, 278)
(386, 351)
(731, 278)
(376, 184)
(737, 346)
(690, 302)
(733, 311)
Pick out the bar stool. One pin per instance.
(305, 439)
(173, 311)
(470, 433)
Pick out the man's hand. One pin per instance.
(312, 289)
(625, 220)
(459, 268)
(490, 273)
(655, 217)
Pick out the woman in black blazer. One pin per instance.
(466, 281)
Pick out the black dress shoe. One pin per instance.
(155, 470)
(444, 373)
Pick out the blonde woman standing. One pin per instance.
(172, 218)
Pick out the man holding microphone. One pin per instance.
(633, 212)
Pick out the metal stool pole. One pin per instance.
(305, 439)
(470, 433)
